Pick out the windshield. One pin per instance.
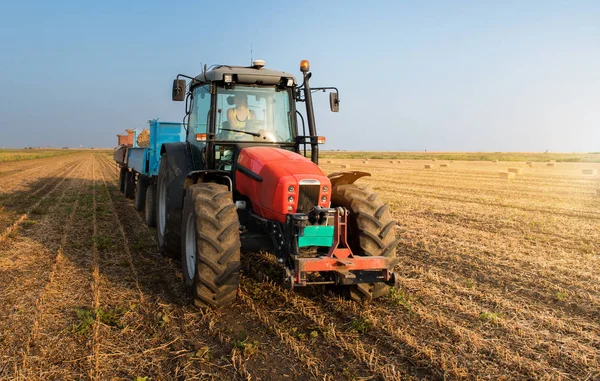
(260, 114)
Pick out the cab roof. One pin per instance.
(244, 74)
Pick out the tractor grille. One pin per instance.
(308, 197)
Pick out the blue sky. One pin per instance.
(435, 75)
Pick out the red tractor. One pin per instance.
(241, 182)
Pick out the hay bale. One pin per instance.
(445, 165)
(143, 139)
(345, 166)
(434, 160)
(399, 161)
(530, 164)
(551, 164)
(391, 161)
(427, 166)
(589, 171)
(329, 161)
(494, 161)
(516, 171)
(365, 162)
(507, 175)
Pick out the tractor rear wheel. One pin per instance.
(370, 232)
(210, 255)
(150, 206)
(169, 199)
(129, 184)
(140, 192)
(122, 174)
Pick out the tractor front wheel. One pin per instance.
(370, 232)
(210, 242)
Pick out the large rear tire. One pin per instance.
(210, 255)
(371, 232)
(140, 192)
(129, 185)
(169, 202)
(150, 206)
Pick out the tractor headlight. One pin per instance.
(291, 199)
(325, 189)
(227, 78)
(291, 189)
(324, 198)
(290, 82)
(290, 208)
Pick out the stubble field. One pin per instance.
(498, 279)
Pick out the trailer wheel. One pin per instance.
(210, 256)
(129, 185)
(169, 194)
(140, 192)
(122, 174)
(371, 232)
(150, 206)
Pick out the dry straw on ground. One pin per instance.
(444, 165)
(507, 175)
(589, 171)
(498, 280)
(551, 164)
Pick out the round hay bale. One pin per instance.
(143, 139)
(444, 165)
(551, 164)
(427, 166)
(516, 171)
(345, 166)
(329, 162)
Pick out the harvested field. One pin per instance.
(497, 279)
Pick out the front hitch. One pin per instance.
(345, 267)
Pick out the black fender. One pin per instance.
(179, 164)
(208, 176)
(347, 177)
(175, 158)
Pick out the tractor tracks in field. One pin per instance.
(40, 304)
(7, 231)
(29, 267)
(345, 329)
(573, 213)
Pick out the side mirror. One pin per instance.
(178, 90)
(334, 102)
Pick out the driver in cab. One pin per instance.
(238, 115)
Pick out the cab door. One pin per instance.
(198, 125)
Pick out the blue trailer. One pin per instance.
(140, 165)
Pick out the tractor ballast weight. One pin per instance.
(241, 183)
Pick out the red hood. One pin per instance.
(279, 169)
